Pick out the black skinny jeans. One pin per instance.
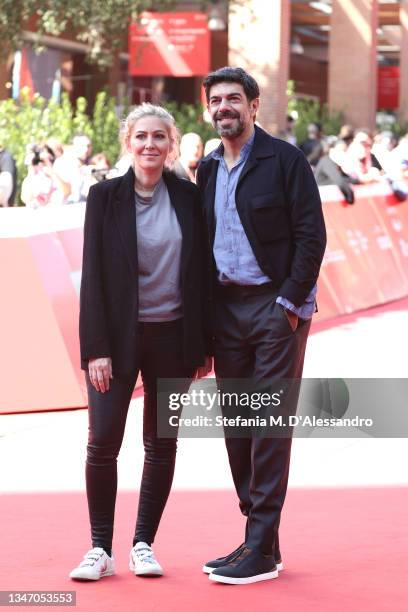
(161, 357)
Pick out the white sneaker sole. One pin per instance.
(78, 576)
(209, 570)
(148, 571)
(249, 580)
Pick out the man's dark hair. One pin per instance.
(232, 75)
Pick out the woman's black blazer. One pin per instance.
(108, 321)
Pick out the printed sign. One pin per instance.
(169, 44)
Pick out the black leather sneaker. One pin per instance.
(220, 561)
(248, 567)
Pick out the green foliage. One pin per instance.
(399, 129)
(101, 25)
(312, 111)
(105, 126)
(27, 122)
(189, 118)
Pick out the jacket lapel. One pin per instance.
(184, 213)
(210, 183)
(261, 148)
(250, 163)
(125, 213)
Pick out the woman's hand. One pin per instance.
(205, 369)
(100, 373)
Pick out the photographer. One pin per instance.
(42, 186)
(99, 167)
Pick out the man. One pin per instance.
(328, 172)
(312, 146)
(191, 151)
(267, 238)
(8, 178)
(289, 131)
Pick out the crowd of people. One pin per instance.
(354, 157)
(62, 174)
(56, 173)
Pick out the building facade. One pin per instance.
(351, 54)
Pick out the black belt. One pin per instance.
(243, 290)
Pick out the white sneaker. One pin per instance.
(95, 564)
(142, 561)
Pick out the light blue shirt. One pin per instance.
(234, 257)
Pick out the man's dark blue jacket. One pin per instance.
(280, 209)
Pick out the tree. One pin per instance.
(101, 24)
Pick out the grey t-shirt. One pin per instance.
(159, 243)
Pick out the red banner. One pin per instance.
(169, 44)
(388, 87)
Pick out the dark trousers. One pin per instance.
(254, 340)
(160, 357)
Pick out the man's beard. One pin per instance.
(229, 132)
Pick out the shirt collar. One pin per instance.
(218, 153)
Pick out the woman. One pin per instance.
(141, 311)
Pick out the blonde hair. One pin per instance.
(151, 110)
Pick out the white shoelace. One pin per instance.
(90, 558)
(145, 555)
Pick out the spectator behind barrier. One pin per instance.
(400, 157)
(8, 178)
(121, 166)
(346, 134)
(42, 186)
(125, 160)
(191, 152)
(73, 168)
(384, 143)
(328, 172)
(312, 146)
(56, 146)
(396, 168)
(359, 162)
(99, 167)
(288, 133)
(395, 161)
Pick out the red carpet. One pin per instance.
(342, 549)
